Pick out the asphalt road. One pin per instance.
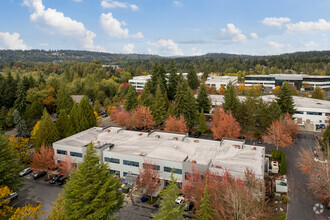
(38, 191)
(302, 201)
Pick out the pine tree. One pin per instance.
(159, 109)
(246, 115)
(193, 80)
(9, 165)
(47, 132)
(205, 211)
(202, 122)
(74, 117)
(63, 101)
(64, 125)
(97, 106)
(318, 93)
(20, 98)
(231, 100)
(203, 100)
(20, 124)
(169, 210)
(172, 81)
(106, 102)
(86, 117)
(92, 192)
(9, 91)
(146, 97)
(285, 100)
(131, 99)
(3, 115)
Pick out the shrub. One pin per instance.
(285, 198)
(277, 154)
(283, 164)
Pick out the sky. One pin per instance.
(166, 27)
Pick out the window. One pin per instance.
(63, 152)
(314, 113)
(145, 164)
(111, 160)
(169, 169)
(75, 154)
(299, 112)
(58, 161)
(115, 172)
(125, 173)
(131, 163)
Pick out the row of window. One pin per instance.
(73, 154)
(311, 113)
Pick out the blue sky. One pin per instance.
(166, 27)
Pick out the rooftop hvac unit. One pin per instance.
(142, 154)
(196, 141)
(157, 136)
(194, 161)
(175, 138)
(110, 145)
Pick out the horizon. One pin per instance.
(166, 28)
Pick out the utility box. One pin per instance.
(281, 186)
(275, 167)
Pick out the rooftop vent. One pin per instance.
(219, 167)
(140, 134)
(194, 161)
(175, 138)
(196, 141)
(108, 130)
(254, 148)
(237, 146)
(142, 154)
(157, 136)
(110, 145)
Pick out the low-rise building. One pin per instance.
(128, 151)
(139, 81)
(218, 81)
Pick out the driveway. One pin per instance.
(302, 201)
(38, 191)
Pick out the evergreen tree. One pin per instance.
(193, 80)
(92, 192)
(202, 122)
(86, 117)
(33, 113)
(97, 106)
(3, 115)
(159, 109)
(20, 124)
(20, 98)
(169, 210)
(9, 165)
(246, 115)
(326, 138)
(172, 81)
(267, 113)
(131, 99)
(9, 91)
(285, 100)
(63, 125)
(47, 132)
(203, 100)
(231, 100)
(106, 102)
(318, 93)
(74, 117)
(205, 211)
(63, 101)
(146, 97)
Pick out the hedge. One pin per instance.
(277, 154)
(283, 164)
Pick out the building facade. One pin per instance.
(218, 81)
(139, 81)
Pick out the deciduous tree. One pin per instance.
(290, 126)
(21, 146)
(318, 93)
(148, 179)
(27, 212)
(57, 213)
(143, 117)
(174, 124)
(66, 166)
(224, 125)
(277, 135)
(44, 160)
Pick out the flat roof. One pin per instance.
(233, 155)
(289, 76)
(224, 79)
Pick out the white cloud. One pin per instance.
(129, 48)
(55, 22)
(117, 4)
(311, 44)
(113, 27)
(77, 0)
(177, 4)
(278, 45)
(254, 35)
(234, 33)
(320, 25)
(165, 48)
(12, 41)
(196, 52)
(273, 21)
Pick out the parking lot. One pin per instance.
(38, 191)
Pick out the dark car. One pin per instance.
(38, 175)
(197, 134)
(62, 180)
(189, 206)
(11, 196)
(259, 141)
(55, 179)
(25, 172)
(241, 137)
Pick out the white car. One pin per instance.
(25, 171)
(179, 200)
(320, 161)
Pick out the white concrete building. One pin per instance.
(127, 151)
(309, 111)
(139, 81)
(218, 81)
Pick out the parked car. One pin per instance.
(11, 196)
(55, 179)
(25, 172)
(189, 206)
(197, 134)
(62, 180)
(259, 141)
(38, 175)
(179, 200)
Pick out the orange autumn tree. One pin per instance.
(148, 179)
(277, 134)
(27, 212)
(290, 126)
(66, 166)
(44, 160)
(174, 124)
(143, 117)
(5, 209)
(224, 125)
